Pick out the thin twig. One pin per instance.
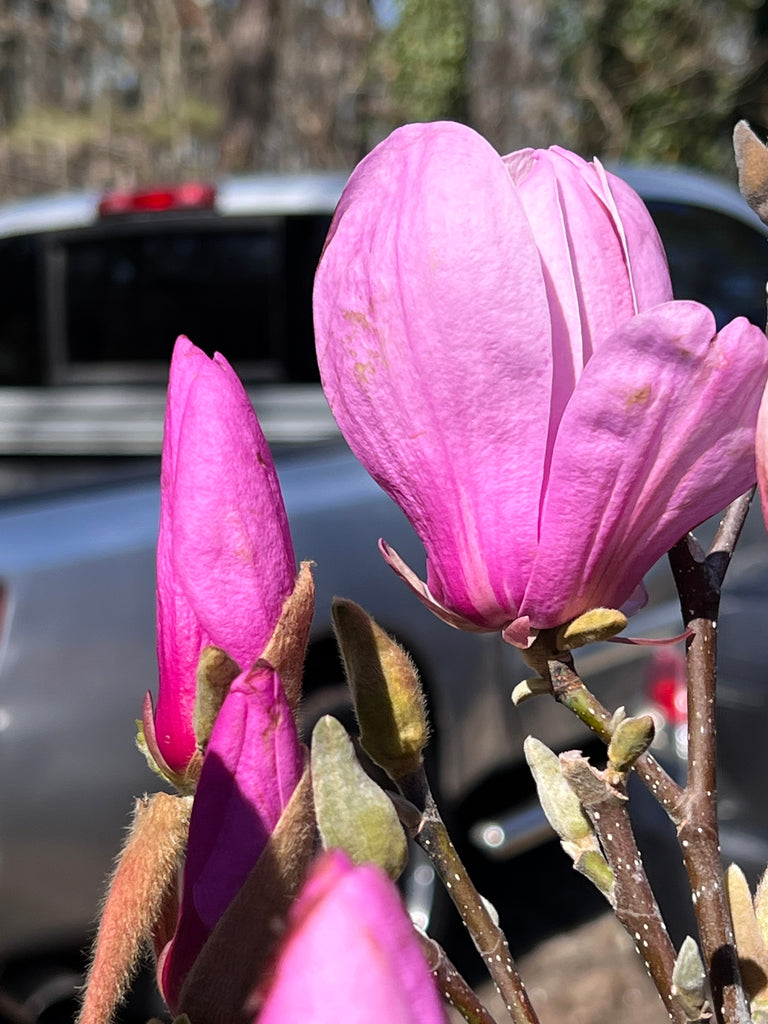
(698, 582)
(632, 898)
(728, 533)
(569, 690)
(452, 985)
(432, 836)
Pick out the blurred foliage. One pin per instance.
(97, 93)
(660, 80)
(423, 59)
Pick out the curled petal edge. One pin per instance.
(517, 632)
(424, 594)
(147, 742)
(642, 641)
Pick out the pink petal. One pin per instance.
(598, 245)
(762, 454)
(429, 299)
(232, 550)
(659, 435)
(351, 956)
(421, 590)
(252, 766)
(179, 636)
(225, 561)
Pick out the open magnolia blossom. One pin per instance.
(351, 955)
(225, 561)
(497, 344)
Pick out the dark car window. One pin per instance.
(244, 288)
(20, 348)
(714, 259)
(128, 297)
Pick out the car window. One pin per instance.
(714, 259)
(128, 297)
(20, 348)
(244, 288)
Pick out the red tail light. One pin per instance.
(667, 686)
(192, 195)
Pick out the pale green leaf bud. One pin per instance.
(618, 716)
(753, 954)
(593, 865)
(689, 980)
(592, 626)
(389, 701)
(353, 813)
(530, 688)
(631, 738)
(558, 801)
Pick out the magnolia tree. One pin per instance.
(498, 342)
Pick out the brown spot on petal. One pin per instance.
(639, 397)
(364, 371)
(353, 317)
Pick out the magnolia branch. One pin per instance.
(632, 898)
(698, 581)
(432, 836)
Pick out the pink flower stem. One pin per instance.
(432, 836)
(698, 582)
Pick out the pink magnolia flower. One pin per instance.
(762, 454)
(351, 955)
(225, 561)
(252, 766)
(496, 343)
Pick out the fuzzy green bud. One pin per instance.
(631, 738)
(558, 801)
(592, 626)
(528, 688)
(593, 865)
(389, 701)
(689, 980)
(353, 813)
(751, 946)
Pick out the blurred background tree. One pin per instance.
(98, 93)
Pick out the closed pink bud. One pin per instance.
(225, 562)
(496, 343)
(351, 955)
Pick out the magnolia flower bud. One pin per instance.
(558, 801)
(752, 163)
(631, 738)
(389, 701)
(592, 626)
(689, 980)
(353, 813)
